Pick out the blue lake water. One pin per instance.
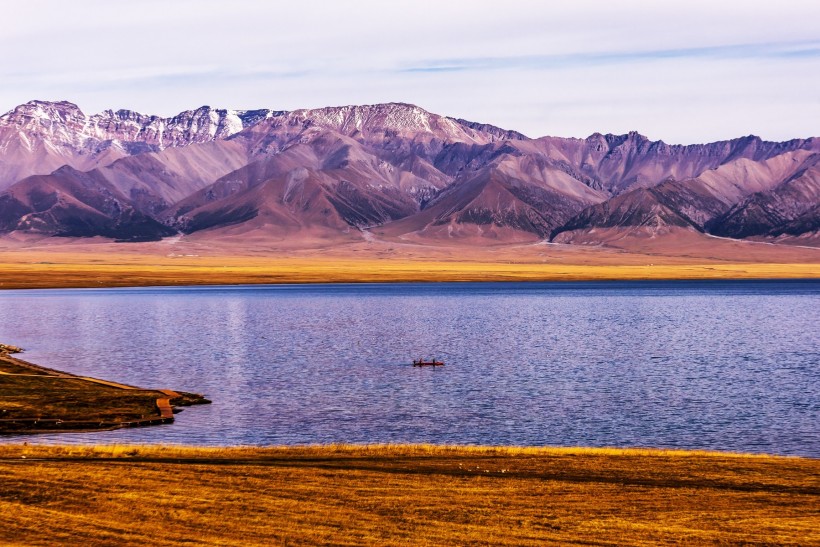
(711, 365)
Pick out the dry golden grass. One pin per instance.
(400, 495)
(106, 264)
(48, 397)
(218, 271)
(34, 398)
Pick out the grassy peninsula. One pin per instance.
(37, 399)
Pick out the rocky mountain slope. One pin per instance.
(39, 137)
(394, 170)
(719, 201)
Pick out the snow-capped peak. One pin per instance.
(376, 119)
(63, 124)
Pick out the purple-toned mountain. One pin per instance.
(394, 170)
(741, 198)
(771, 212)
(623, 162)
(38, 137)
(73, 203)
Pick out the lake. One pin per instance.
(719, 365)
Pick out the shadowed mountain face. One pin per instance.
(741, 198)
(772, 212)
(329, 183)
(513, 197)
(73, 203)
(393, 169)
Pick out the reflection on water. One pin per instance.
(716, 365)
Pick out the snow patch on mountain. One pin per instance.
(389, 118)
(63, 125)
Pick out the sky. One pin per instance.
(684, 72)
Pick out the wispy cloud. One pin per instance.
(563, 68)
(783, 50)
(151, 76)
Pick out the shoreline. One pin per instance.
(406, 494)
(183, 453)
(87, 264)
(603, 281)
(37, 399)
(290, 272)
(393, 494)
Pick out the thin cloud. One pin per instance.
(680, 70)
(740, 51)
(151, 76)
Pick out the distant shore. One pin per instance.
(57, 263)
(234, 271)
(35, 399)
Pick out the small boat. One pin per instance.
(423, 363)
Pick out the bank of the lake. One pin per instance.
(399, 495)
(59, 272)
(36, 399)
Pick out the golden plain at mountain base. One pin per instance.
(102, 263)
(16, 276)
(393, 495)
(114, 271)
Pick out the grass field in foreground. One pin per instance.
(400, 495)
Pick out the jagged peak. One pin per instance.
(631, 137)
(504, 134)
(396, 116)
(43, 116)
(635, 136)
(401, 118)
(50, 108)
(50, 104)
(636, 140)
(37, 108)
(63, 124)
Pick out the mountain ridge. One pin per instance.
(393, 168)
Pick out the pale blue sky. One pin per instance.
(683, 72)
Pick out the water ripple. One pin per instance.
(717, 365)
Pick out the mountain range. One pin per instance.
(392, 171)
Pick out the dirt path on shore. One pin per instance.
(106, 383)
